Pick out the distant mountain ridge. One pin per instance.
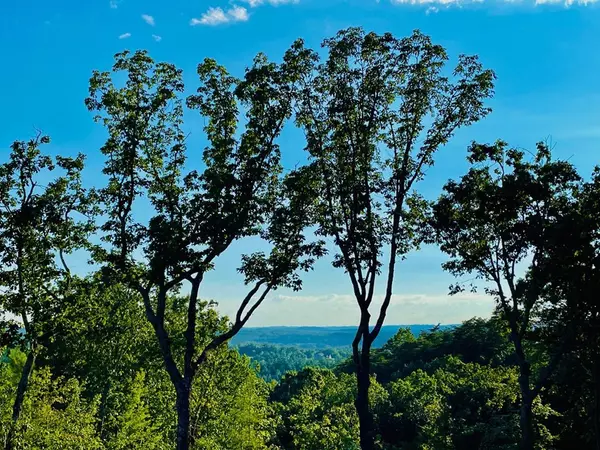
(319, 337)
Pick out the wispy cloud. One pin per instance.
(156, 38)
(148, 19)
(114, 4)
(125, 36)
(567, 3)
(434, 6)
(216, 16)
(338, 310)
(238, 14)
(255, 3)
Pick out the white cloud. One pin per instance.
(156, 38)
(341, 310)
(433, 5)
(125, 36)
(238, 13)
(114, 4)
(255, 3)
(567, 3)
(216, 16)
(148, 19)
(435, 2)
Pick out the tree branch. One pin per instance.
(237, 326)
(190, 332)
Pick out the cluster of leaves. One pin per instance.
(316, 411)
(10, 334)
(54, 413)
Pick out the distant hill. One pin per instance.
(318, 337)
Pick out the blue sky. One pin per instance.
(545, 56)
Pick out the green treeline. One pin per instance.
(450, 389)
(274, 361)
(126, 354)
(318, 337)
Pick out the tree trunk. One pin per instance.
(597, 402)
(363, 379)
(183, 415)
(526, 422)
(102, 410)
(526, 416)
(18, 404)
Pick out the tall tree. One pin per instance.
(573, 260)
(187, 220)
(42, 219)
(375, 113)
(585, 284)
(501, 222)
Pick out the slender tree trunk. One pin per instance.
(20, 397)
(183, 415)
(526, 422)
(181, 384)
(102, 410)
(596, 372)
(363, 380)
(526, 416)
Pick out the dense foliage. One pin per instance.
(127, 355)
(445, 389)
(274, 361)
